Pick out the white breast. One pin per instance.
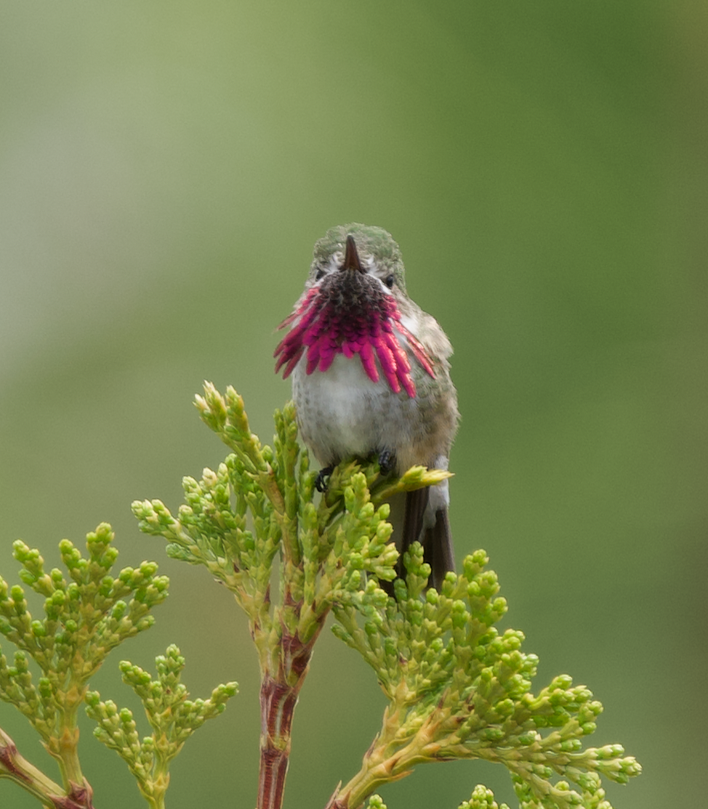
(341, 412)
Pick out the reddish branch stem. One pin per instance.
(277, 707)
(49, 793)
(279, 696)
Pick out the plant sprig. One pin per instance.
(260, 500)
(87, 613)
(458, 688)
(172, 716)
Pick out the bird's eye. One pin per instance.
(389, 281)
(320, 275)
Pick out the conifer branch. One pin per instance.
(457, 688)
(172, 716)
(234, 521)
(87, 613)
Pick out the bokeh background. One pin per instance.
(165, 169)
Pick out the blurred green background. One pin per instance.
(165, 169)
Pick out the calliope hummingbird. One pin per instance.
(370, 375)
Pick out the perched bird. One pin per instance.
(370, 374)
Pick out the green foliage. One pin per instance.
(86, 615)
(457, 688)
(87, 612)
(261, 500)
(172, 716)
(482, 798)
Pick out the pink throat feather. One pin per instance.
(328, 323)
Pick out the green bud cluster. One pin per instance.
(259, 501)
(482, 798)
(172, 716)
(458, 688)
(232, 519)
(86, 614)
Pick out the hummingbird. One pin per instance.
(371, 376)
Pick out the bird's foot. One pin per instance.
(387, 461)
(320, 482)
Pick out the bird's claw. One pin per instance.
(387, 460)
(320, 482)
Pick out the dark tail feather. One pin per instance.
(413, 513)
(437, 546)
(437, 541)
(416, 503)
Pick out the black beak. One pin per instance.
(351, 257)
